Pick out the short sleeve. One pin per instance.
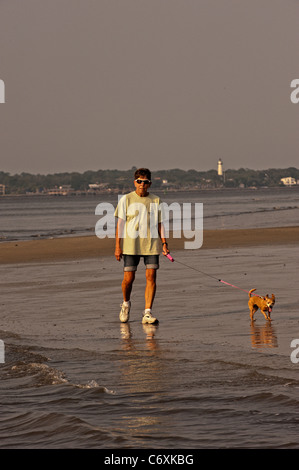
(120, 210)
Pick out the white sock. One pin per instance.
(148, 310)
(126, 303)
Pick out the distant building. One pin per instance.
(96, 187)
(220, 169)
(2, 189)
(288, 181)
(63, 190)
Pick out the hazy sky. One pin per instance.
(93, 84)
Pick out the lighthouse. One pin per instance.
(220, 172)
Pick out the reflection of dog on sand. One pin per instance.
(263, 336)
(265, 304)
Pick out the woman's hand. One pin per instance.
(118, 253)
(165, 249)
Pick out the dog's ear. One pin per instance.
(273, 297)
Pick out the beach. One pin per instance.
(72, 248)
(205, 377)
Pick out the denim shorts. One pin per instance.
(131, 262)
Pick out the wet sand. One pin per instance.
(75, 248)
(204, 378)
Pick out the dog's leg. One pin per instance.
(269, 316)
(266, 314)
(252, 312)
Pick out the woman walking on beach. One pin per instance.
(138, 234)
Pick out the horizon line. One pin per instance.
(152, 171)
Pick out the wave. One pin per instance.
(32, 369)
(42, 374)
(43, 429)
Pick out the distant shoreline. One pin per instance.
(161, 191)
(120, 181)
(76, 248)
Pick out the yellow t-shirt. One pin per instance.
(142, 216)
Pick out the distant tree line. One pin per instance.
(122, 179)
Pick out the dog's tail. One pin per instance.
(250, 292)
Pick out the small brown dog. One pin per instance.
(265, 304)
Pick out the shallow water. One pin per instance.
(34, 217)
(206, 377)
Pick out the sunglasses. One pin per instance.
(138, 181)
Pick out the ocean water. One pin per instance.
(204, 378)
(31, 217)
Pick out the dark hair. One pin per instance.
(143, 172)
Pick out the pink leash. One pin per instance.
(228, 284)
(220, 280)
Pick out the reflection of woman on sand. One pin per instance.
(149, 330)
(141, 368)
(143, 374)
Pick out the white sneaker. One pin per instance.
(148, 318)
(125, 312)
